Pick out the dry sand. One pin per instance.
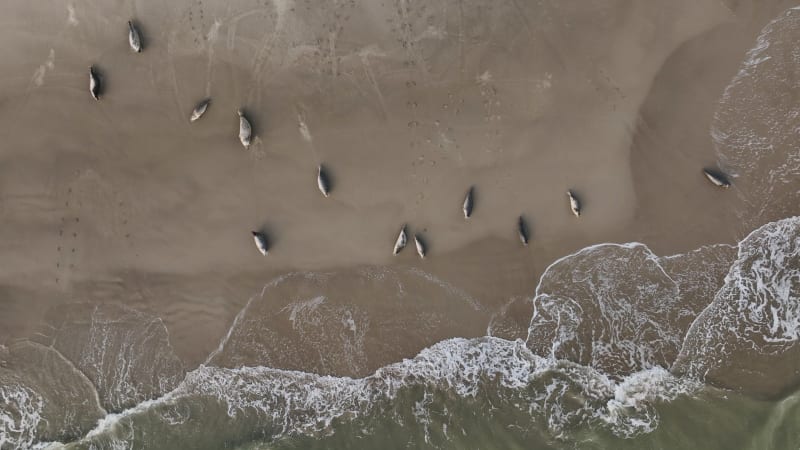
(406, 103)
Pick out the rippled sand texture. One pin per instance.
(136, 311)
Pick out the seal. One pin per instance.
(94, 84)
(468, 204)
(574, 205)
(420, 246)
(522, 230)
(133, 38)
(261, 242)
(245, 130)
(199, 110)
(400, 243)
(322, 182)
(717, 178)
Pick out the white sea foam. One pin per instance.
(20, 416)
(754, 317)
(609, 306)
(125, 353)
(42, 396)
(641, 392)
(240, 316)
(329, 327)
(303, 307)
(298, 403)
(557, 392)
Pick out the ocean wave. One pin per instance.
(317, 321)
(289, 403)
(124, 352)
(555, 388)
(20, 415)
(42, 397)
(747, 338)
(615, 307)
(616, 330)
(559, 387)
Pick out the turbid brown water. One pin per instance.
(126, 239)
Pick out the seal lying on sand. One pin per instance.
(245, 130)
(468, 204)
(717, 178)
(574, 205)
(400, 243)
(322, 182)
(261, 242)
(133, 38)
(420, 246)
(522, 230)
(94, 84)
(199, 110)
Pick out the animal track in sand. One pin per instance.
(492, 117)
(92, 209)
(197, 25)
(66, 250)
(334, 16)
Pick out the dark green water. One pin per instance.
(709, 419)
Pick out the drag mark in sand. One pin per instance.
(47, 66)
(71, 18)
(405, 16)
(211, 40)
(365, 55)
(268, 43)
(303, 127)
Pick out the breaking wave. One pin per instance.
(583, 363)
(20, 415)
(615, 307)
(615, 329)
(747, 338)
(125, 353)
(43, 397)
(607, 327)
(282, 403)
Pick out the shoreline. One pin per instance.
(111, 196)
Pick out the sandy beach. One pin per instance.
(407, 106)
(123, 201)
(134, 303)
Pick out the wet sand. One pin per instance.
(407, 105)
